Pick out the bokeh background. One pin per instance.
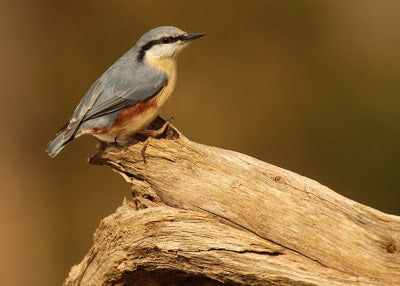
(311, 86)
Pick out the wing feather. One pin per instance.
(119, 88)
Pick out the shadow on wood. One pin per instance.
(202, 215)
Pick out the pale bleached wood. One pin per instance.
(201, 212)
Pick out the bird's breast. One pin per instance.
(169, 67)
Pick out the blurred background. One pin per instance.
(310, 86)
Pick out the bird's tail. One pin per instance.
(56, 145)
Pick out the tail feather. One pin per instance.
(56, 145)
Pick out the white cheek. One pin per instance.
(164, 51)
(159, 51)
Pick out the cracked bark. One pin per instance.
(201, 215)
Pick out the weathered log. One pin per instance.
(202, 215)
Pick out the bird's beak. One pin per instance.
(191, 37)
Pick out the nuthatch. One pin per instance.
(129, 95)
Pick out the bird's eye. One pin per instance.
(165, 40)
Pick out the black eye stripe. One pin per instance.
(169, 40)
(163, 40)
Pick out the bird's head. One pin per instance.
(163, 43)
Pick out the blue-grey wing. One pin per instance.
(128, 93)
(119, 88)
(83, 107)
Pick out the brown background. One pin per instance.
(311, 86)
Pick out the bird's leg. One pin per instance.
(153, 134)
(143, 152)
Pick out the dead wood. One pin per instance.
(202, 215)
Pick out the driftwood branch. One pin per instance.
(202, 215)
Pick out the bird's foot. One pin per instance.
(153, 134)
(161, 130)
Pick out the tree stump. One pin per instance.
(202, 215)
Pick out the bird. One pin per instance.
(128, 96)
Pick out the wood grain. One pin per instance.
(202, 215)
